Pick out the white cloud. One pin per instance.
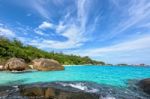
(82, 17)
(74, 36)
(61, 27)
(131, 45)
(133, 13)
(72, 23)
(38, 32)
(45, 25)
(74, 29)
(6, 32)
(133, 51)
(39, 6)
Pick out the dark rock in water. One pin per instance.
(43, 64)
(55, 91)
(15, 64)
(70, 90)
(145, 85)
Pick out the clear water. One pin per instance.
(111, 75)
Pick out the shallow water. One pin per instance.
(111, 75)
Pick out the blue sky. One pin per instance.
(114, 31)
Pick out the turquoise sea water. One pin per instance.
(111, 75)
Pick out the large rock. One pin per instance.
(54, 91)
(145, 85)
(46, 64)
(16, 64)
(69, 90)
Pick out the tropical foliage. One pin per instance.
(14, 48)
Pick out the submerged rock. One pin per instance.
(15, 64)
(145, 85)
(43, 64)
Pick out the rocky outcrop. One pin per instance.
(54, 91)
(44, 91)
(69, 90)
(43, 64)
(145, 85)
(15, 64)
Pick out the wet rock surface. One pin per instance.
(56, 91)
(145, 85)
(70, 90)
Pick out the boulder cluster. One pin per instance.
(41, 64)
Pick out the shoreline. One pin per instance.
(106, 65)
(73, 65)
